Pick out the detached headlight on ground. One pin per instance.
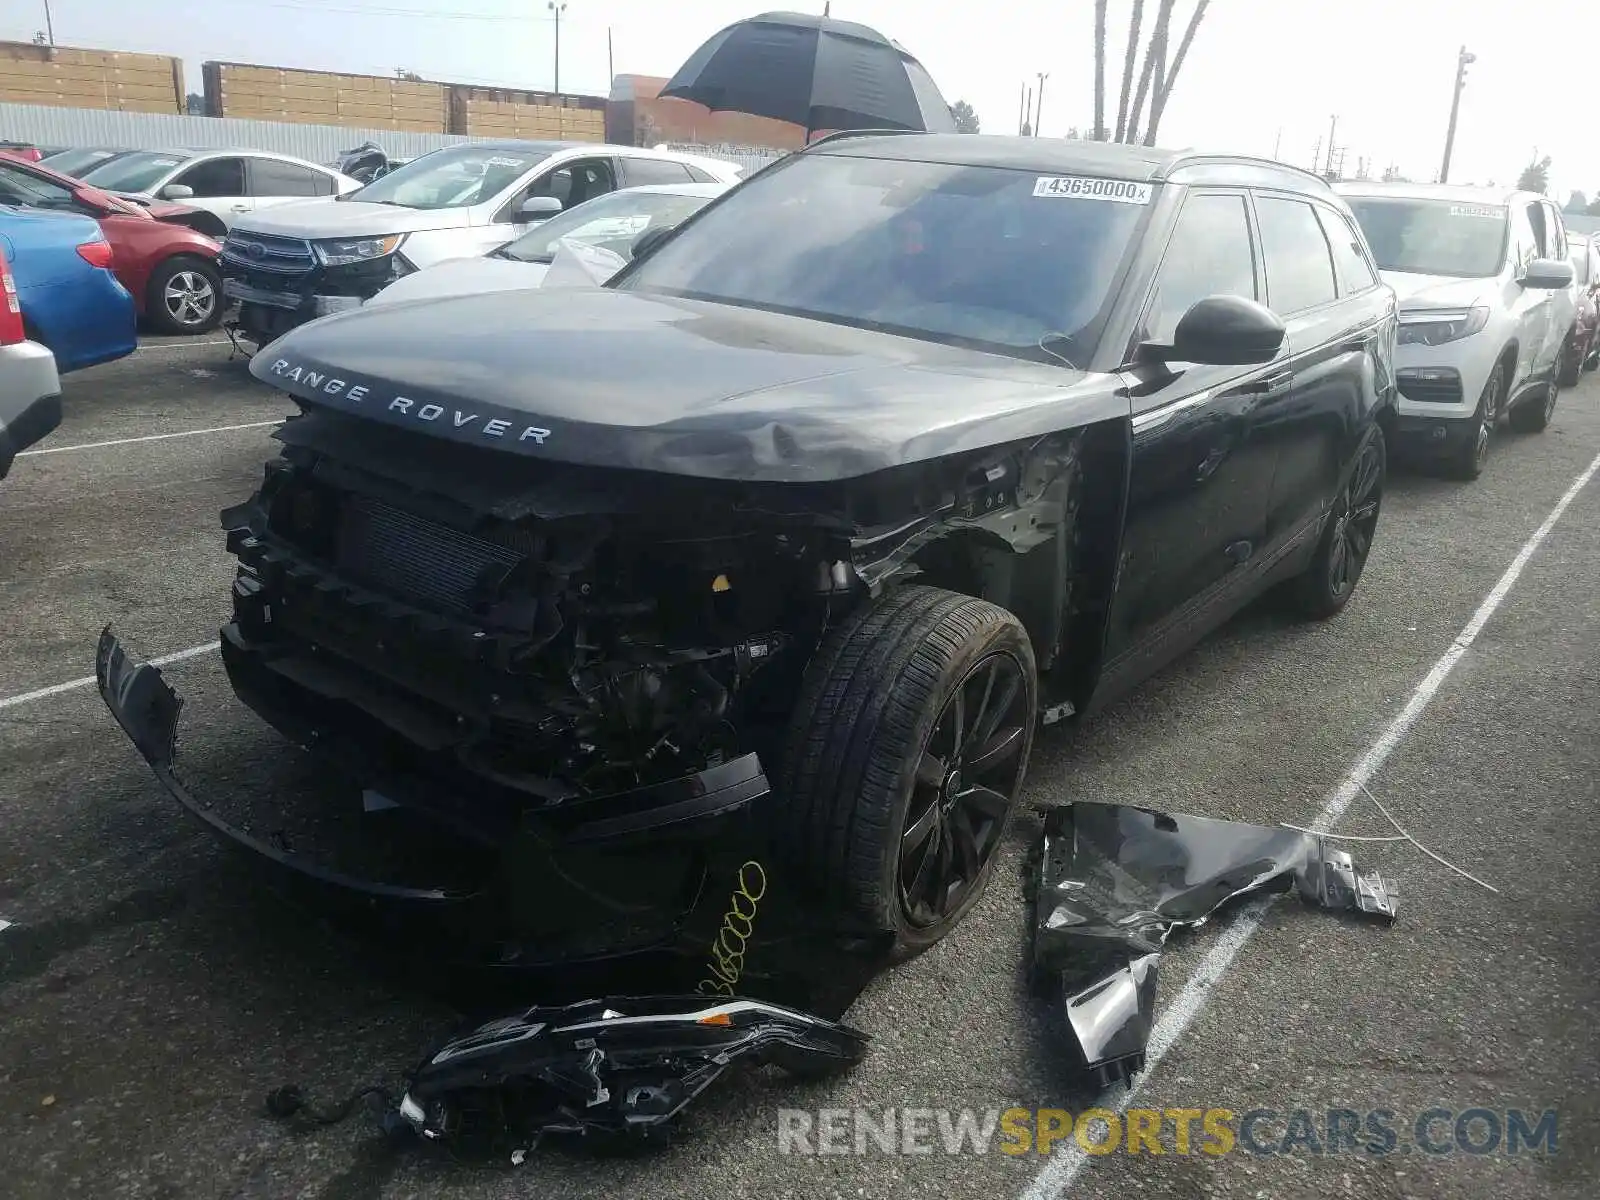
(339, 252)
(1438, 326)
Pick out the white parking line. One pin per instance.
(1063, 1169)
(179, 345)
(55, 689)
(150, 437)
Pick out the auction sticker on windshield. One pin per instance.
(1123, 191)
(1477, 210)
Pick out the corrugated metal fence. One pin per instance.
(319, 143)
(153, 131)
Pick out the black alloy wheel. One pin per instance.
(1353, 531)
(1328, 583)
(964, 790)
(904, 761)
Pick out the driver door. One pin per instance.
(1200, 482)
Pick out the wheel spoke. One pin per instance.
(926, 875)
(1001, 746)
(965, 840)
(986, 800)
(975, 731)
(931, 770)
(1364, 512)
(1358, 542)
(1336, 569)
(958, 715)
(917, 832)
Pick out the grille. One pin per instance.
(417, 560)
(1431, 391)
(266, 252)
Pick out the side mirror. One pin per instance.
(649, 240)
(1223, 331)
(538, 208)
(1547, 274)
(177, 191)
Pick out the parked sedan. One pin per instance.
(225, 183)
(169, 268)
(80, 159)
(608, 226)
(66, 294)
(1583, 346)
(30, 389)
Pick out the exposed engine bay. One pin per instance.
(570, 632)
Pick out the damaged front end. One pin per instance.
(546, 700)
(616, 1069)
(1114, 881)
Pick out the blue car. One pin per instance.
(71, 302)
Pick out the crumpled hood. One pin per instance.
(462, 277)
(325, 217)
(1437, 291)
(622, 379)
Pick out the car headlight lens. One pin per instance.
(338, 252)
(1434, 328)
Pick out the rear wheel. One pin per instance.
(1533, 416)
(905, 758)
(184, 296)
(1572, 358)
(1341, 557)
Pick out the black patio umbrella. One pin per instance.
(815, 72)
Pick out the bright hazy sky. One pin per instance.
(1260, 70)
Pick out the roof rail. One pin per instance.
(839, 135)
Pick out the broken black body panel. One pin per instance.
(621, 1068)
(1115, 880)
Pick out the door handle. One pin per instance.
(1361, 344)
(1269, 385)
(241, 208)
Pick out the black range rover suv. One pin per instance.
(897, 451)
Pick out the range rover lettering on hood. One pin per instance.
(322, 384)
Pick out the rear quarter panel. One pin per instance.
(80, 311)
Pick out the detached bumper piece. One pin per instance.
(1115, 880)
(616, 1069)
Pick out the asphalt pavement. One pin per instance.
(150, 994)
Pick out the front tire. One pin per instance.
(1327, 584)
(905, 759)
(1468, 460)
(184, 296)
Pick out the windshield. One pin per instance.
(611, 222)
(76, 162)
(137, 172)
(980, 255)
(455, 177)
(1434, 237)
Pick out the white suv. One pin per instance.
(1486, 307)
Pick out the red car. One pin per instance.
(1583, 345)
(170, 269)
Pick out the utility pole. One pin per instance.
(1038, 115)
(1277, 142)
(1027, 107)
(1333, 127)
(558, 7)
(1463, 57)
(1022, 106)
(611, 65)
(49, 27)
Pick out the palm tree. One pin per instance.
(1127, 67)
(1154, 54)
(1158, 103)
(1100, 72)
